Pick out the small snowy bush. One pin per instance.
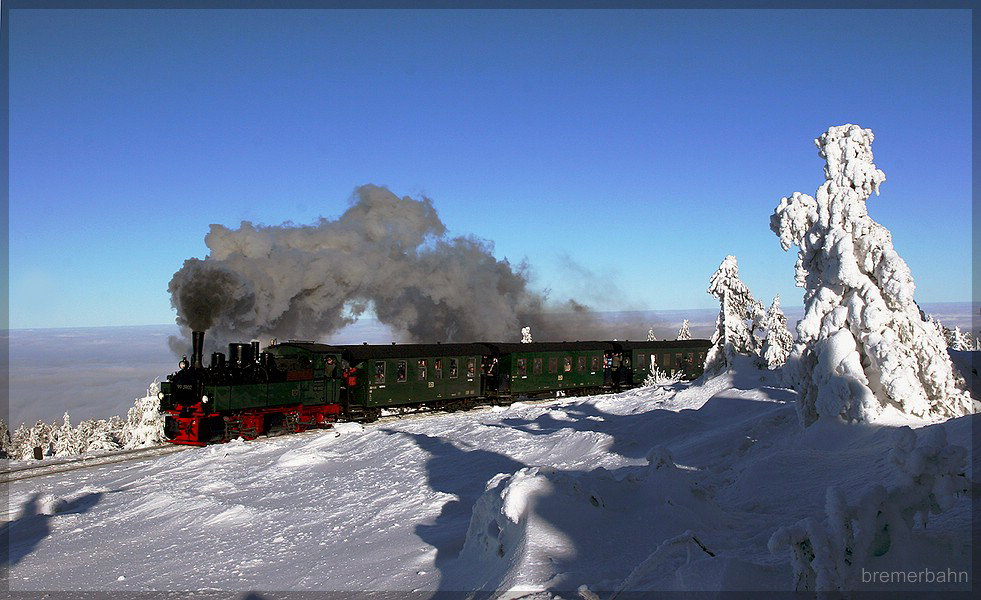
(659, 377)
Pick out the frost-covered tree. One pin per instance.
(739, 315)
(68, 442)
(144, 421)
(684, 333)
(778, 342)
(959, 340)
(5, 442)
(863, 343)
(526, 335)
(650, 335)
(99, 435)
(19, 443)
(27, 439)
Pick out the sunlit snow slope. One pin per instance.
(549, 496)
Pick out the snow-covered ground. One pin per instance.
(672, 488)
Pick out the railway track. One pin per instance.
(84, 462)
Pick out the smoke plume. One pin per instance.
(388, 253)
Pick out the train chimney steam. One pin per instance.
(197, 349)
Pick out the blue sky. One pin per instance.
(639, 146)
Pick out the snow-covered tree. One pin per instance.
(739, 315)
(526, 335)
(18, 443)
(959, 340)
(684, 333)
(650, 335)
(5, 445)
(67, 442)
(98, 435)
(863, 343)
(778, 341)
(26, 439)
(144, 421)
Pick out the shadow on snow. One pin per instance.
(21, 536)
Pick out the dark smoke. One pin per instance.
(385, 252)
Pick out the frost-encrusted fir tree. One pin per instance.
(144, 421)
(739, 315)
(684, 333)
(5, 445)
(100, 435)
(650, 335)
(26, 439)
(957, 339)
(526, 335)
(863, 343)
(778, 342)
(68, 442)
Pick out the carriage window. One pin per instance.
(595, 363)
(567, 364)
(522, 366)
(422, 369)
(454, 368)
(438, 368)
(400, 371)
(553, 364)
(537, 366)
(471, 367)
(640, 361)
(380, 371)
(581, 364)
(667, 360)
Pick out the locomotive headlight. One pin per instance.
(183, 364)
(204, 399)
(161, 395)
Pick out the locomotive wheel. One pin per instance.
(291, 422)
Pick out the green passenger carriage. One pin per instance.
(408, 375)
(543, 368)
(684, 356)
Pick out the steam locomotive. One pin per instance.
(294, 386)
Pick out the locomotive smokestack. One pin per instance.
(197, 349)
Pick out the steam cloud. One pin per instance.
(385, 252)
